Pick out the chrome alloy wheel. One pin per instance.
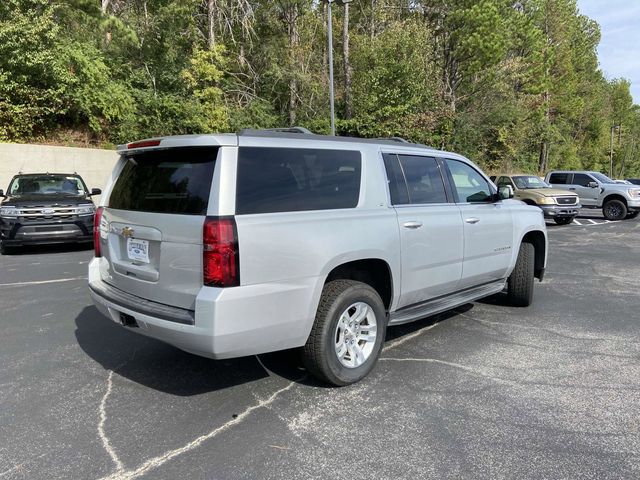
(355, 335)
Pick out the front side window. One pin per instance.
(47, 185)
(273, 180)
(469, 185)
(582, 179)
(504, 181)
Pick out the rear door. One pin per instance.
(431, 239)
(152, 224)
(488, 226)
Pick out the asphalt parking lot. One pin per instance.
(486, 391)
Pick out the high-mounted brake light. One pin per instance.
(220, 258)
(97, 218)
(143, 143)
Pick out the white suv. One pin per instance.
(239, 244)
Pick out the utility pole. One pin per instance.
(330, 46)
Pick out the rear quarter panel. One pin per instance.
(301, 248)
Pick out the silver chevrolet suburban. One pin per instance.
(239, 244)
(617, 201)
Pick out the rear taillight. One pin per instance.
(97, 218)
(220, 258)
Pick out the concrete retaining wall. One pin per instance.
(92, 164)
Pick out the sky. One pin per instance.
(619, 49)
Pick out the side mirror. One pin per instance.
(505, 192)
(1, 193)
(95, 191)
(592, 184)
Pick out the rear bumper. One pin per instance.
(35, 232)
(225, 322)
(560, 211)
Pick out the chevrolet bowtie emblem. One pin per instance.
(127, 232)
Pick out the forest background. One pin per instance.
(513, 85)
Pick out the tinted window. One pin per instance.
(294, 179)
(469, 185)
(424, 180)
(581, 179)
(503, 181)
(559, 178)
(177, 180)
(397, 183)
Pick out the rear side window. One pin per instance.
(414, 179)
(273, 180)
(559, 178)
(176, 180)
(397, 184)
(424, 180)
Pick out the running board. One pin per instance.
(441, 304)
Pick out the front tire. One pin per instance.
(614, 210)
(347, 335)
(520, 282)
(563, 220)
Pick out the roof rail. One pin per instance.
(395, 139)
(249, 131)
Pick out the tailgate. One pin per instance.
(151, 233)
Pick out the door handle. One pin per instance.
(412, 225)
(472, 220)
(571, 188)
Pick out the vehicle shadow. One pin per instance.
(165, 368)
(157, 365)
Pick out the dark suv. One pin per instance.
(44, 208)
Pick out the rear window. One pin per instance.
(177, 180)
(295, 179)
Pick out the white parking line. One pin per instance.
(576, 222)
(59, 280)
(593, 221)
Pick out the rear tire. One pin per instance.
(614, 210)
(520, 282)
(5, 249)
(337, 328)
(563, 220)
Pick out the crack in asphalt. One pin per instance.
(121, 473)
(103, 418)
(454, 365)
(160, 460)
